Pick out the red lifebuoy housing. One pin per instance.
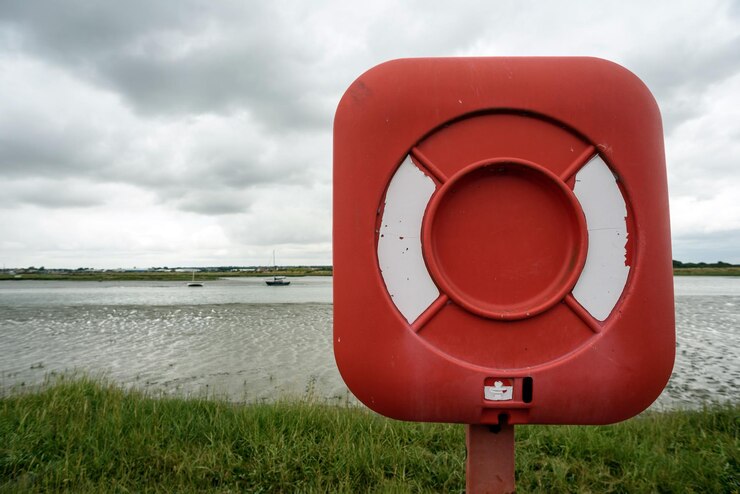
(501, 241)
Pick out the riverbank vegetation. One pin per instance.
(705, 269)
(86, 435)
(202, 274)
(205, 274)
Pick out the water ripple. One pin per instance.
(279, 343)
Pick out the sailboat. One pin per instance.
(195, 283)
(276, 280)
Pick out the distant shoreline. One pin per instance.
(707, 271)
(162, 276)
(292, 272)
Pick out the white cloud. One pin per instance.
(704, 178)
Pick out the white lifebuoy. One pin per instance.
(605, 273)
(399, 244)
(411, 287)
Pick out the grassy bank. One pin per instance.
(708, 271)
(82, 435)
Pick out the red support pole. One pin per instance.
(489, 468)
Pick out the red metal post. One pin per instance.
(489, 468)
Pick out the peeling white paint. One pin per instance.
(605, 272)
(399, 247)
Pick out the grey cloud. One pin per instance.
(70, 129)
(214, 202)
(249, 161)
(262, 234)
(81, 30)
(50, 194)
(733, 8)
(283, 215)
(707, 247)
(183, 58)
(217, 81)
(32, 145)
(680, 74)
(232, 187)
(237, 173)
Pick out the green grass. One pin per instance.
(85, 435)
(707, 271)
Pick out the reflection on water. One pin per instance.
(241, 339)
(236, 338)
(247, 351)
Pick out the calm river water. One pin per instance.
(238, 338)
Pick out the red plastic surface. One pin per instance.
(503, 135)
(489, 465)
(531, 241)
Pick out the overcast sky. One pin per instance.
(180, 133)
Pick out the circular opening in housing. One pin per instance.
(505, 238)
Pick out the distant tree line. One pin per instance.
(719, 264)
